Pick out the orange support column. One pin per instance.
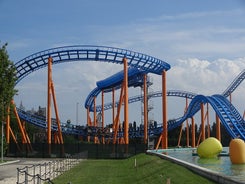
(164, 111)
(116, 121)
(49, 138)
(202, 122)
(193, 133)
(125, 101)
(180, 134)
(8, 126)
(145, 110)
(218, 133)
(187, 133)
(95, 123)
(88, 122)
(14, 138)
(57, 115)
(102, 110)
(187, 124)
(27, 137)
(88, 117)
(103, 115)
(95, 120)
(24, 139)
(113, 106)
(208, 123)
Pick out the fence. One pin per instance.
(40, 173)
(94, 151)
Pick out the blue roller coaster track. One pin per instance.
(137, 98)
(89, 53)
(135, 78)
(227, 113)
(178, 93)
(230, 117)
(138, 62)
(236, 82)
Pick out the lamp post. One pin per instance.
(2, 145)
(77, 113)
(2, 117)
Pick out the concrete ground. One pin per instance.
(8, 170)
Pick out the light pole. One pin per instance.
(2, 143)
(2, 117)
(2, 113)
(77, 113)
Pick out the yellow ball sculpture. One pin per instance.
(237, 151)
(209, 148)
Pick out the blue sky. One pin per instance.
(203, 41)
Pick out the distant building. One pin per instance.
(41, 111)
(21, 107)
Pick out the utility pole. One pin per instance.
(2, 143)
(2, 118)
(77, 113)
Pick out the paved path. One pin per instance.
(8, 170)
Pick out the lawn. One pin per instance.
(141, 169)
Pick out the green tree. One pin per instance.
(7, 82)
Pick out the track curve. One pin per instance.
(229, 116)
(227, 113)
(89, 53)
(235, 83)
(135, 78)
(38, 60)
(137, 98)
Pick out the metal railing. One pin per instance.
(45, 172)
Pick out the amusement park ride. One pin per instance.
(136, 66)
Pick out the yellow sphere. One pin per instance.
(209, 148)
(237, 151)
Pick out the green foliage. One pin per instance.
(7, 80)
(148, 169)
(173, 135)
(70, 139)
(7, 84)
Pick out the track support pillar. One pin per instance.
(145, 110)
(202, 123)
(125, 100)
(218, 132)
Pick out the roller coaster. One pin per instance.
(138, 66)
(229, 116)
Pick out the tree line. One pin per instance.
(173, 136)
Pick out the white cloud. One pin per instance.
(74, 81)
(202, 77)
(193, 43)
(196, 15)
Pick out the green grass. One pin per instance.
(149, 169)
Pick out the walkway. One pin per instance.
(8, 171)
